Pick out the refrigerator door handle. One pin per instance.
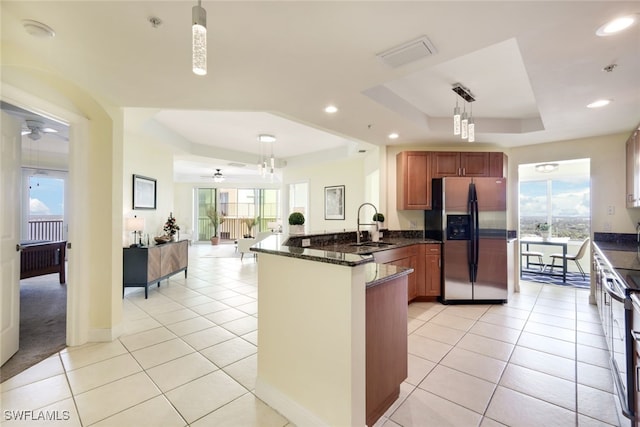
(476, 239)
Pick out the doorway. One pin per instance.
(42, 302)
(555, 206)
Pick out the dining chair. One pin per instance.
(534, 254)
(575, 257)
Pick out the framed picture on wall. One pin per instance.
(334, 202)
(144, 192)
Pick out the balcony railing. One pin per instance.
(52, 230)
(230, 229)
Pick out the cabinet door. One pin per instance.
(632, 171)
(433, 277)
(411, 262)
(498, 165)
(402, 257)
(474, 164)
(444, 163)
(413, 180)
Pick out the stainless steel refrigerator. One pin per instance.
(469, 216)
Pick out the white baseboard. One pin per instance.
(292, 410)
(105, 335)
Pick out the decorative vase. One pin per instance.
(296, 229)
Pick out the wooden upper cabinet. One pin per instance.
(444, 163)
(416, 169)
(497, 165)
(413, 178)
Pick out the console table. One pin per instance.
(145, 265)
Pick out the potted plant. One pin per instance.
(250, 223)
(216, 219)
(296, 223)
(171, 227)
(543, 229)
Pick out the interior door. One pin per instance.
(10, 160)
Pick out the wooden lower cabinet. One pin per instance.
(403, 257)
(424, 259)
(432, 271)
(145, 265)
(386, 335)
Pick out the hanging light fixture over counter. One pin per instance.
(463, 124)
(266, 163)
(199, 39)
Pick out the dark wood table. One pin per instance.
(562, 242)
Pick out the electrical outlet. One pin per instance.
(611, 210)
(607, 226)
(413, 225)
(306, 243)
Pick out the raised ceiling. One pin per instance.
(273, 66)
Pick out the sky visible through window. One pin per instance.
(46, 196)
(564, 203)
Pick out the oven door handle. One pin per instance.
(608, 285)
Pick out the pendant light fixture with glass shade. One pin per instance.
(199, 39)
(456, 119)
(464, 124)
(266, 164)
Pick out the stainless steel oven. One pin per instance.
(620, 342)
(614, 288)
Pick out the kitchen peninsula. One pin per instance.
(332, 331)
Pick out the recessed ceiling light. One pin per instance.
(38, 29)
(331, 109)
(599, 103)
(266, 138)
(393, 135)
(617, 25)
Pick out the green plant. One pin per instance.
(296, 218)
(379, 217)
(543, 226)
(170, 227)
(215, 218)
(250, 223)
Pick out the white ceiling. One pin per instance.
(273, 67)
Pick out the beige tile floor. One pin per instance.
(188, 357)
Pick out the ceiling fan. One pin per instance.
(217, 177)
(35, 129)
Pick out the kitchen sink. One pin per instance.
(373, 244)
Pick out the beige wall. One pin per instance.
(95, 217)
(348, 172)
(151, 158)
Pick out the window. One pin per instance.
(236, 205)
(560, 199)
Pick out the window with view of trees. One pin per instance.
(562, 201)
(236, 206)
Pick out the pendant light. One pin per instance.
(464, 124)
(199, 39)
(456, 119)
(471, 126)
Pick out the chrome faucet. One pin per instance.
(358, 236)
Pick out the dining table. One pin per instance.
(527, 242)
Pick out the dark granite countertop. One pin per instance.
(620, 250)
(376, 274)
(336, 248)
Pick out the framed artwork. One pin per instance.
(334, 202)
(144, 192)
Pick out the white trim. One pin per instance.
(105, 335)
(290, 409)
(77, 296)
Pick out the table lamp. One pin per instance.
(135, 225)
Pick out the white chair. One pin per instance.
(575, 257)
(533, 254)
(244, 244)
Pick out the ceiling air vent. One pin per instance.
(408, 52)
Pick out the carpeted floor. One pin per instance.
(43, 323)
(573, 278)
